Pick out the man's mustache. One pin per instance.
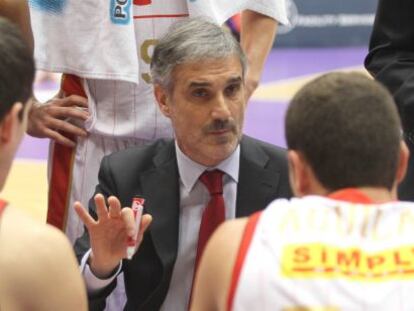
(220, 125)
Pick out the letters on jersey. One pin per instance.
(120, 11)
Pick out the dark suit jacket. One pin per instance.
(152, 172)
(391, 61)
(391, 54)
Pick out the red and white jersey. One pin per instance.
(123, 109)
(317, 253)
(3, 205)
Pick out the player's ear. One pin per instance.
(162, 96)
(302, 177)
(296, 173)
(402, 162)
(10, 123)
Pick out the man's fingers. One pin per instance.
(84, 215)
(101, 209)
(68, 112)
(128, 217)
(70, 101)
(145, 222)
(59, 138)
(114, 207)
(65, 126)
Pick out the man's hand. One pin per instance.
(108, 235)
(51, 118)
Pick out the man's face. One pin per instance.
(206, 106)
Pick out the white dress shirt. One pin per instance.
(194, 197)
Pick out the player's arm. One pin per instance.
(38, 267)
(18, 12)
(56, 281)
(256, 38)
(214, 275)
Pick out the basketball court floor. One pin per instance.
(285, 72)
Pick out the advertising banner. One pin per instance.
(328, 23)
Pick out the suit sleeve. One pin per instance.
(391, 54)
(106, 187)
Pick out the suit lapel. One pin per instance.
(257, 185)
(161, 188)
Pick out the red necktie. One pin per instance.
(214, 213)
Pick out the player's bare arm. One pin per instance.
(18, 12)
(214, 276)
(31, 260)
(257, 44)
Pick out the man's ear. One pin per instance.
(10, 122)
(299, 173)
(402, 162)
(295, 172)
(162, 97)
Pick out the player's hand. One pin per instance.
(51, 119)
(109, 233)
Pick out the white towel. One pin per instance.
(89, 38)
(222, 10)
(95, 38)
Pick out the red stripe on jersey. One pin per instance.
(62, 164)
(161, 16)
(241, 255)
(3, 205)
(142, 2)
(352, 195)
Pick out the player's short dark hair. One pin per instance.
(17, 67)
(347, 127)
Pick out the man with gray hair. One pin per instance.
(210, 172)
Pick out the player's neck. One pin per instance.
(378, 195)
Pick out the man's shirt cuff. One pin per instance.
(93, 283)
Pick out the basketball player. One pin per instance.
(38, 269)
(345, 242)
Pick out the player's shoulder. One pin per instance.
(230, 229)
(29, 241)
(225, 241)
(34, 253)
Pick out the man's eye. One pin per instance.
(199, 93)
(232, 89)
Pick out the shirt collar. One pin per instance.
(352, 195)
(190, 171)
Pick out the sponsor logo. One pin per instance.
(120, 11)
(298, 20)
(320, 260)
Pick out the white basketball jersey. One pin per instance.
(316, 253)
(126, 110)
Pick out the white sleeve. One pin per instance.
(221, 10)
(93, 283)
